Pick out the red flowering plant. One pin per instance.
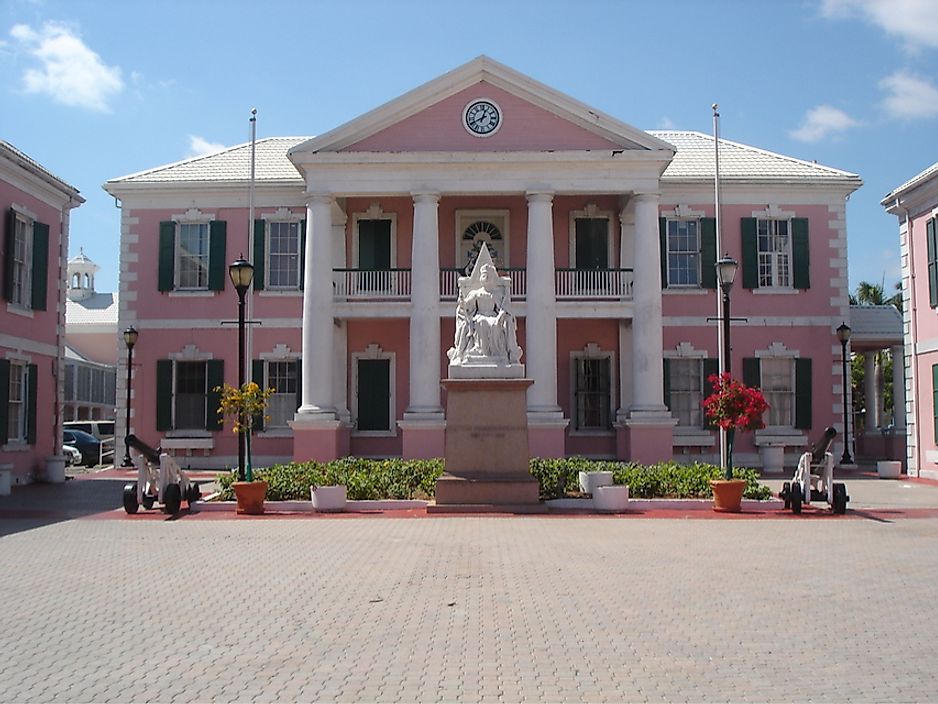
(734, 406)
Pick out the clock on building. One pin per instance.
(482, 117)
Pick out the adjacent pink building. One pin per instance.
(36, 206)
(358, 238)
(915, 204)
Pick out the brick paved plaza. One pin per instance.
(106, 608)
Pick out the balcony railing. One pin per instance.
(395, 284)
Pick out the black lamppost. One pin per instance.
(130, 339)
(726, 274)
(843, 334)
(241, 273)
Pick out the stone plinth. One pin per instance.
(486, 446)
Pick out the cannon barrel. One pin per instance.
(823, 445)
(151, 453)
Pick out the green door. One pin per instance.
(592, 243)
(374, 394)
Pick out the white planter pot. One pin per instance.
(590, 481)
(6, 482)
(773, 458)
(888, 469)
(55, 469)
(328, 499)
(611, 499)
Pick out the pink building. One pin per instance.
(359, 235)
(36, 206)
(915, 204)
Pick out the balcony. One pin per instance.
(395, 284)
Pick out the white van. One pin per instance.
(101, 429)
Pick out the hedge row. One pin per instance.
(409, 479)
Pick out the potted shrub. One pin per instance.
(243, 406)
(732, 406)
(331, 498)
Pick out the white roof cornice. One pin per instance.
(485, 69)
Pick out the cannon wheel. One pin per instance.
(172, 499)
(148, 501)
(193, 494)
(785, 494)
(130, 498)
(796, 498)
(840, 499)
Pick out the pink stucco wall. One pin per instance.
(525, 127)
(96, 346)
(39, 326)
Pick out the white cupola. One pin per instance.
(81, 271)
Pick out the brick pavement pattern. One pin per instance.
(464, 609)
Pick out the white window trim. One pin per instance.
(773, 214)
(591, 211)
(667, 241)
(25, 307)
(19, 363)
(778, 350)
(374, 212)
(691, 435)
(593, 351)
(280, 353)
(374, 352)
(499, 217)
(189, 353)
(288, 216)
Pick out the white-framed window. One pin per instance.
(16, 413)
(191, 395)
(282, 378)
(773, 237)
(592, 388)
(192, 255)
(778, 387)
(21, 293)
(283, 255)
(687, 391)
(683, 242)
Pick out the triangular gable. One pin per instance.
(399, 123)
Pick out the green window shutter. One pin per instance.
(40, 265)
(750, 246)
(32, 386)
(299, 383)
(801, 259)
(260, 236)
(164, 394)
(214, 377)
(667, 382)
(708, 252)
(752, 372)
(8, 256)
(803, 417)
(4, 401)
(302, 252)
(934, 391)
(217, 266)
(711, 366)
(167, 257)
(257, 376)
(663, 250)
(932, 262)
(374, 392)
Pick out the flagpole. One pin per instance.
(250, 302)
(723, 361)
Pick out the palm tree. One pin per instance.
(869, 294)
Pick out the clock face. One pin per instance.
(482, 117)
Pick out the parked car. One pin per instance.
(72, 455)
(89, 446)
(101, 429)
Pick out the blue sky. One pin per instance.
(99, 89)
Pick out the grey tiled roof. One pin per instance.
(914, 181)
(694, 161)
(99, 309)
(27, 162)
(875, 324)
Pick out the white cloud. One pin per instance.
(909, 97)
(69, 72)
(821, 122)
(912, 20)
(199, 146)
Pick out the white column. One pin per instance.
(871, 391)
(647, 369)
(318, 349)
(898, 386)
(540, 350)
(425, 351)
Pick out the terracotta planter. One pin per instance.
(250, 497)
(728, 494)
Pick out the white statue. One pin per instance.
(486, 330)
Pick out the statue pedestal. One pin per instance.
(486, 448)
